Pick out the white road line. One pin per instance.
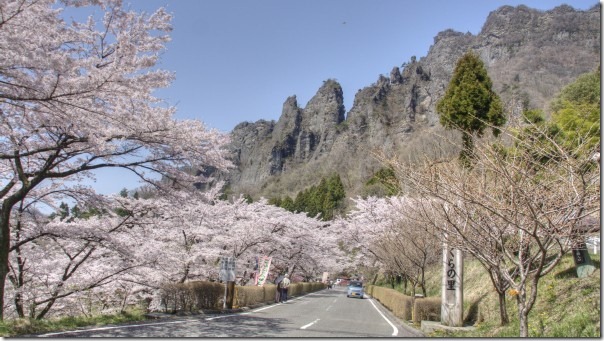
(328, 307)
(310, 324)
(257, 310)
(267, 307)
(394, 329)
(118, 327)
(223, 316)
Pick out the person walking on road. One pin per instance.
(283, 286)
(278, 291)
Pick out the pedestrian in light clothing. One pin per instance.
(283, 286)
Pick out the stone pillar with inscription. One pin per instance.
(452, 287)
(583, 263)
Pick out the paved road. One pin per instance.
(326, 313)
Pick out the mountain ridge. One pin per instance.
(529, 54)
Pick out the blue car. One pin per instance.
(355, 289)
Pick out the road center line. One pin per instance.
(394, 329)
(310, 324)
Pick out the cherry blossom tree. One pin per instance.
(52, 260)
(128, 250)
(382, 231)
(192, 235)
(409, 245)
(75, 97)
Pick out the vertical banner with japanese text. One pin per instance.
(264, 266)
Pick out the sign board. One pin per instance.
(264, 266)
(227, 269)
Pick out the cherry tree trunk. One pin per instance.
(522, 314)
(4, 252)
(503, 312)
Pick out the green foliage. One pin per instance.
(576, 110)
(68, 214)
(534, 116)
(470, 104)
(288, 204)
(275, 201)
(324, 199)
(386, 179)
(124, 193)
(248, 198)
(575, 124)
(539, 138)
(227, 191)
(63, 211)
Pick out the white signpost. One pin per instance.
(227, 274)
(452, 287)
(227, 269)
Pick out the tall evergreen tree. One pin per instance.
(124, 192)
(288, 204)
(386, 178)
(470, 104)
(324, 199)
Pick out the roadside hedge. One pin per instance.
(190, 296)
(246, 296)
(198, 295)
(426, 309)
(406, 307)
(400, 305)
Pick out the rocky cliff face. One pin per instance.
(530, 55)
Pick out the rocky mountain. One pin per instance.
(530, 55)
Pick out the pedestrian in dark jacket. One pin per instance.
(278, 291)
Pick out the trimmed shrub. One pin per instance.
(270, 291)
(194, 296)
(249, 295)
(426, 309)
(191, 296)
(400, 305)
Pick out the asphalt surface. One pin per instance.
(326, 313)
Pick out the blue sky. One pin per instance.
(238, 60)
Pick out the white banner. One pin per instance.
(264, 266)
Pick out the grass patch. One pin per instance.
(10, 328)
